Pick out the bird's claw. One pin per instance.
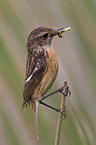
(68, 92)
(63, 112)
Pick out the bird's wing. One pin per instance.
(35, 70)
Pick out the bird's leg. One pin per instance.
(56, 109)
(60, 90)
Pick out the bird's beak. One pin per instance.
(59, 31)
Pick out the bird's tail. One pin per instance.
(35, 110)
(34, 103)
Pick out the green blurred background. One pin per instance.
(77, 59)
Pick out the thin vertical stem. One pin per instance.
(59, 124)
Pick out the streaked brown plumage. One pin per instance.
(41, 60)
(41, 67)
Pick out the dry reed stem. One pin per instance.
(59, 124)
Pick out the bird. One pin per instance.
(41, 67)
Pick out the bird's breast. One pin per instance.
(52, 63)
(50, 75)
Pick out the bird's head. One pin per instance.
(43, 36)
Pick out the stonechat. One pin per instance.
(41, 68)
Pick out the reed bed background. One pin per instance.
(17, 19)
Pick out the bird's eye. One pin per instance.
(45, 35)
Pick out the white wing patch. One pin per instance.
(29, 78)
